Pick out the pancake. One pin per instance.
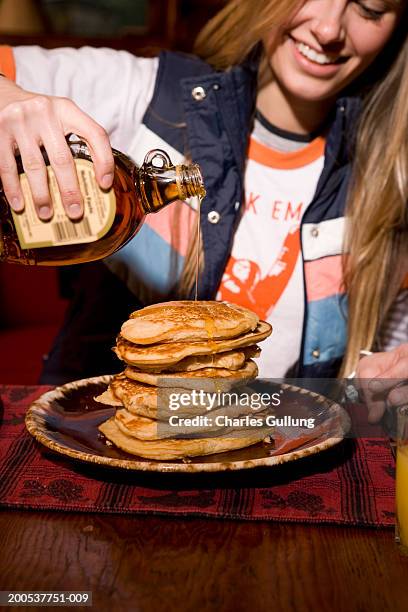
(129, 391)
(108, 398)
(143, 400)
(139, 427)
(149, 429)
(175, 449)
(147, 401)
(181, 353)
(200, 379)
(188, 321)
(172, 352)
(144, 428)
(231, 360)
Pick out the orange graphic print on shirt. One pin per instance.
(264, 271)
(244, 284)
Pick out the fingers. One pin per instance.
(392, 364)
(9, 178)
(376, 409)
(368, 369)
(98, 143)
(391, 397)
(37, 121)
(398, 396)
(62, 162)
(374, 401)
(382, 378)
(50, 133)
(376, 365)
(36, 172)
(19, 125)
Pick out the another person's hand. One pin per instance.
(29, 121)
(383, 377)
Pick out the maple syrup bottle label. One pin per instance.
(99, 213)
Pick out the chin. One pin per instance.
(316, 91)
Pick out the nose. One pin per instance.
(329, 26)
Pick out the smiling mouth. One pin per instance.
(317, 57)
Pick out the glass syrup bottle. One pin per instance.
(111, 218)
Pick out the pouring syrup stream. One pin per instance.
(198, 247)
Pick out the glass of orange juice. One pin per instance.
(401, 527)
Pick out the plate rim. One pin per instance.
(150, 465)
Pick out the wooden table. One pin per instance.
(159, 564)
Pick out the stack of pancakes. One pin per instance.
(173, 347)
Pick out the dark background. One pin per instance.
(135, 25)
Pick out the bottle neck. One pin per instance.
(161, 186)
(189, 181)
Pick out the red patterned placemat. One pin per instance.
(352, 483)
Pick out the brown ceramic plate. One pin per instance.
(66, 421)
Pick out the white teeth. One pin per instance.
(314, 56)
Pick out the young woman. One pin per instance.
(274, 117)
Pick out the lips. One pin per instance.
(314, 56)
(316, 63)
(318, 57)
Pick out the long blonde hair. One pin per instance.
(375, 240)
(228, 38)
(376, 248)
